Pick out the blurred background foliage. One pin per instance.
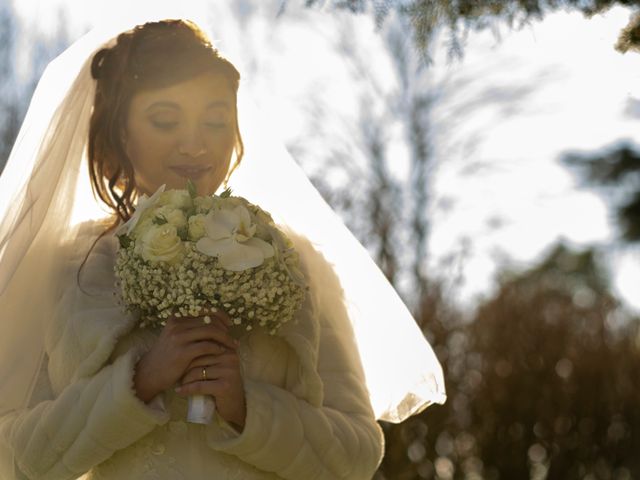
(24, 53)
(460, 16)
(542, 376)
(542, 382)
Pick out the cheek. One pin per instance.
(219, 142)
(221, 147)
(148, 152)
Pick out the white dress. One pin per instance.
(308, 410)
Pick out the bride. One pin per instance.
(84, 391)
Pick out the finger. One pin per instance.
(215, 319)
(205, 361)
(209, 387)
(225, 317)
(220, 316)
(227, 359)
(198, 349)
(214, 372)
(209, 332)
(195, 375)
(183, 323)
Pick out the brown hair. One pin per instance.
(153, 55)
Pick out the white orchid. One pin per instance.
(144, 203)
(230, 236)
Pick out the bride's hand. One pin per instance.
(223, 381)
(180, 342)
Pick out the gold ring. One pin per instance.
(204, 373)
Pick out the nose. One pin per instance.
(192, 144)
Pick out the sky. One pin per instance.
(506, 113)
(562, 93)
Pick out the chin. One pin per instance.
(206, 186)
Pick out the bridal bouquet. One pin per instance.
(185, 255)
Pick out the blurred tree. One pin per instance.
(398, 207)
(414, 448)
(413, 103)
(388, 207)
(614, 172)
(538, 381)
(10, 109)
(541, 384)
(428, 15)
(556, 384)
(24, 54)
(630, 36)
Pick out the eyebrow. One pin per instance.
(215, 104)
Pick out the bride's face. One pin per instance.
(184, 131)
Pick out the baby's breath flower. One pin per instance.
(265, 296)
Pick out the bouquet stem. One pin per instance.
(200, 409)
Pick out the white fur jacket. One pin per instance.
(308, 410)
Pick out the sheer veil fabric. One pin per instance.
(45, 183)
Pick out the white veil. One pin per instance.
(45, 180)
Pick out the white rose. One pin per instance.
(196, 227)
(160, 243)
(174, 216)
(176, 199)
(203, 204)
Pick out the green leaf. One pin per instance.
(193, 192)
(125, 241)
(160, 220)
(183, 233)
(226, 193)
(191, 212)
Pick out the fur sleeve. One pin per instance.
(330, 434)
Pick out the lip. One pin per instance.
(193, 172)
